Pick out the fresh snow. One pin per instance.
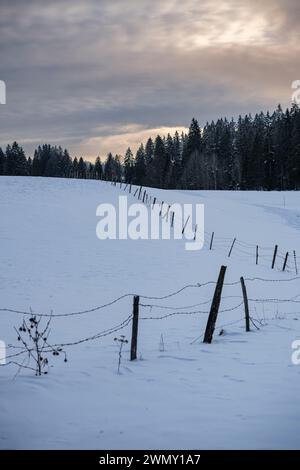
(242, 391)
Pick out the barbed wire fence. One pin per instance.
(271, 257)
(143, 307)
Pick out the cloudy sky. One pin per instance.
(99, 75)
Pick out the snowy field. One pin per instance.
(242, 391)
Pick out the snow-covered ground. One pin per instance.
(242, 391)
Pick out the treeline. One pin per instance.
(47, 161)
(260, 152)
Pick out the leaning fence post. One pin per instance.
(214, 309)
(135, 323)
(161, 207)
(274, 256)
(285, 261)
(167, 213)
(195, 232)
(172, 218)
(154, 201)
(144, 196)
(184, 227)
(211, 240)
(247, 317)
(231, 247)
(295, 259)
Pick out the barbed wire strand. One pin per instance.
(191, 313)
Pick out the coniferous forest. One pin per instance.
(259, 153)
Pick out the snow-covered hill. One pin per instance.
(239, 392)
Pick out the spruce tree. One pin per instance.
(81, 168)
(117, 168)
(149, 152)
(193, 143)
(128, 166)
(159, 162)
(108, 167)
(294, 163)
(36, 164)
(75, 168)
(140, 166)
(29, 166)
(98, 169)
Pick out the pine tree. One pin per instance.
(66, 166)
(294, 160)
(128, 166)
(149, 152)
(159, 162)
(177, 164)
(2, 162)
(244, 143)
(268, 156)
(193, 143)
(75, 168)
(108, 167)
(98, 169)
(29, 166)
(35, 164)
(117, 168)
(81, 169)
(140, 166)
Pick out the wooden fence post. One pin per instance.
(295, 259)
(247, 317)
(211, 240)
(172, 219)
(214, 309)
(154, 201)
(139, 195)
(256, 254)
(135, 323)
(184, 227)
(231, 247)
(168, 212)
(274, 256)
(161, 206)
(285, 261)
(144, 196)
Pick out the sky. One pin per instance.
(99, 75)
